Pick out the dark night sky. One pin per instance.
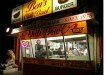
(6, 42)
(6, 7)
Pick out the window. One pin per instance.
(34, 48)
(39, 48)
(76, 47)
(26, 48)
(56, 47)
(72, 47)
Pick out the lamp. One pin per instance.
(8, 30)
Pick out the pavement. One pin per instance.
(13, 73)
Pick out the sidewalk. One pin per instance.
(13, 73)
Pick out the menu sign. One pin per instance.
(59, 5)
(36, 8)
(17, 14)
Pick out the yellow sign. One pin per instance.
(75, 28)
(36, 8)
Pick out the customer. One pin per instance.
(39, 50)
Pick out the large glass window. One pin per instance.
(34, 48)
(72, 47)
(76, 47)
(56, 47)
(39, 48)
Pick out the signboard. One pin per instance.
(64, 20)
(36, 8)
(16, 14)
(59, 5)
(65, 29)
(69, 19)
(78, 17)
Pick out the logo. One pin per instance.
(17, 14)
(62, 1)
(25, 44)
(77, 29)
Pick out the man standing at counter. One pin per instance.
(39, 51)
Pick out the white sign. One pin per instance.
(69, 19)
(59, 5)
(78, 17)
(73, 18)
(17, 14)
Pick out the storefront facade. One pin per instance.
(66, 45)
(60, 45)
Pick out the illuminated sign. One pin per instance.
(64, 20)
(69, 19)
(24, 44)
(59, 5)
(36, 8)
(16, 14)
(78, 17)
(65, 29)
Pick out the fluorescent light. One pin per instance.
(75, 36)
(55, 38)
(15, 31)
(70, 36)
(27, 51)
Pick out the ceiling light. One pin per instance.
(15, 31)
